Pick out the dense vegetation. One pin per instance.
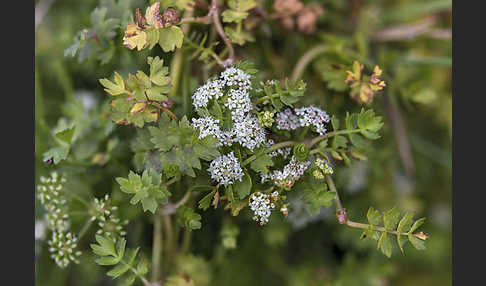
(243, 142)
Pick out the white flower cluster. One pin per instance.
(305, 116)
(211, 90)
(107, 218)
(246, 129)
(226, 169)
(50, 195)
(248, 132)
(62, 243)
(62, 248)
(290, 173)
(314, 116)
(261, 206)
(234, 77)
(286, 120)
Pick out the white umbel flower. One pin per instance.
(107, 217)
(226, 169)
(290, 173)
(261, 206)
(235, 78)
(62, 247)
(314, 116)
(211, 90)
(248, 132)
(286, 120)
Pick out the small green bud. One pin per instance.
(265, 118)
(301, 152)
(171, 170)
(318, 174)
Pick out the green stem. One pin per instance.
(169, 238)
(304, 132)
(331, 134)
(144, 280)
(186, 242)
(171, 181)
(305, 60)
(266, 97)
(332, 187)
(85, 228)
(157, 247)
(268, 150)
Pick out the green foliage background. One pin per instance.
(319, 251)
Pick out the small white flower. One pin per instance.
(286, 120)
(226, 169)
(314, 116)
(62, 246)
(211, 90)
(248, 132)
(261, 207)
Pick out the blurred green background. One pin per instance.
(410, 166)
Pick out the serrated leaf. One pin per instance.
(142, 267)
(261, 163)
(152, 37)
(230, 16)
(373, 216)
(391, 218)
(416, 242)
(170, 38)
(205, 202)
(107, 260)
(134, 38)
(243, 188)
(118, 270)
(187, 218)
(417, 224)
(66, 135)
(120, 247)
(385, 245)
(403, 226)
(56, 154)
(115, 87)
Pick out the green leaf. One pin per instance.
(368, 121)
(56, 154)
(238, 37)
(403, 226)
(118, 270)
(115, 87)
(131, 255)
(187, 218)
(107, 244)
(152, 37)
(170, 38)
(335, 123)
(416, 242)
(229, 16)
(205, 202)
(142, 267)
(391, 218)
(107, 260)
(385, 245)
(120, 247)
(416, 225)
(261, 163)
(66, 135)
(374, 216)
(206, 149)
(317, 196)
(243, 188)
